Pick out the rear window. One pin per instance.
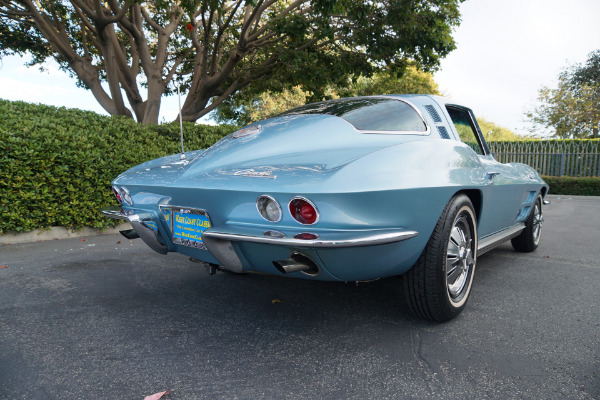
(371, 114)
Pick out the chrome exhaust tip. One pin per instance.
(297, 262)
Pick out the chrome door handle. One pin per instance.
(492, 175)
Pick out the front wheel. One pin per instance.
(438, 285)
(529, 239)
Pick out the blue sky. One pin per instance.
(507, 50)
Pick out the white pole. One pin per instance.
(180, 122)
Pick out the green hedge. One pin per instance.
(589, 186)
(56, 164)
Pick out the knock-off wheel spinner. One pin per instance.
(459, 257)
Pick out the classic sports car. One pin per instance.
(351, 189)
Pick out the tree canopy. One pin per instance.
(247, 106)
(572, 109)
(129, 53)
(493, 132)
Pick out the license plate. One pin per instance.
(188, 225)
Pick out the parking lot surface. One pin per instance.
(107, 318)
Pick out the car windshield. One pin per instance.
(369, 114)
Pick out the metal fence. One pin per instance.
(569, 157)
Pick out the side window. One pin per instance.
(461, 118)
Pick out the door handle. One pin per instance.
(492, 175)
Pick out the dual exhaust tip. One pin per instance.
(297, 262)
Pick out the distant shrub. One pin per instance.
(56, 164)
(586, 186)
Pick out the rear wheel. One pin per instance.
(529, 239)
(438, 285)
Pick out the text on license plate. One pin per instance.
(188, 226)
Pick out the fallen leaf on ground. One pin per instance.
(4, 266)
(156, 396)
(83, 240)
(276, 301)
(119, 242)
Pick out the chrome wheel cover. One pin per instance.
(538, 220)
(459, 258)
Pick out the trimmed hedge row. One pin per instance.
(589, 186)
(56, 164)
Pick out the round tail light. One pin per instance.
(268, 208)
(126, 196)
(304, 211)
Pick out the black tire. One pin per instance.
(529, 239)
(437, 287)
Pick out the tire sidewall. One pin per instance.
(535, 242)
(461, 206)
(526, 242)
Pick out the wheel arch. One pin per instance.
(476, 197)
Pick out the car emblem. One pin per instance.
(255, 174)
(248, 131)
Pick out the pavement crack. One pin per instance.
(432, 375)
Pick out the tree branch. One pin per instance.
(214, 104)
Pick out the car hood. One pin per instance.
(292, 150)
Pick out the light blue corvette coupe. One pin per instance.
(351, 189)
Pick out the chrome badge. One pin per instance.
(248, 131)
(255, 174)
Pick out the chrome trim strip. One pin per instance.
(114, 213)
(367, 240)
(427, 131)
(498, 238)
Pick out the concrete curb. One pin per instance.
(57, 232)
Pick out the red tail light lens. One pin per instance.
(117, 195)
(306, 236)
(303, 211)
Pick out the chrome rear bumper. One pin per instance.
(220, 244)
(140, 221)
(373, 238)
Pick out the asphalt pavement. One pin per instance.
(103, 317)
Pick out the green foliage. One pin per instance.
(493, 133)
(247, 106)
(410, 81)
(572, 109)
(585, 186)
(588, 74)
(213, 48)
(56, 164)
